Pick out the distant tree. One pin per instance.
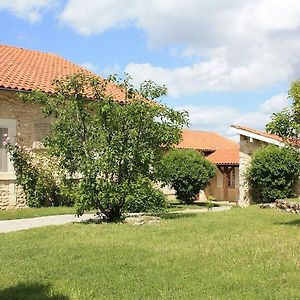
(286, 123)
(108, 146)
(187, 171)
(273, 173)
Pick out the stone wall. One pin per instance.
(32, 126)
(247, 147)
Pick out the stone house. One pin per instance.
(224, 153)
(23, 70)
(250, 141)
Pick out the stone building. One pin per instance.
(224, 153)
(23, 70)
(250, 141)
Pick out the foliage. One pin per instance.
(106, 144)
(273, 173)
(287, 122)
(37, 181)
(187, 171)
(143, 197)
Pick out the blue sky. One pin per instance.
(223, 61)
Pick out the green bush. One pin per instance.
(143, 197)
(273, 173)
(187, 171)
(39, 184)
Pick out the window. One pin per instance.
(231, 178)
(7, 127)
(3, 154)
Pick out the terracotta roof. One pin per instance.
(219, 150)
(26, 70)
(259, 132)
(225, 157)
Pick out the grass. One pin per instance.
(11, 214)
(177, 206)
(239, 254)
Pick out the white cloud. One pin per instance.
(275, 103)
(110, 70)
(235, 44)
(31, 10)
(91, 67)
(219, 118)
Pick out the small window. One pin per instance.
(7, 127)
(3, 154)
(231, 178)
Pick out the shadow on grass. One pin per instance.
(162, 215)
(290, 223)
(32, 291)
(170, 216)
(186, 206)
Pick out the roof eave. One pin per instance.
(257, 136)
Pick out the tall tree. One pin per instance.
(106, 145)
(286, 123)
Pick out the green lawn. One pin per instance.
(35, 212)
(177, 206)
(239, 254)
(62, 210)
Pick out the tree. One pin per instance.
(286, 123)
(187, 171)
(106, 145)
(273, 173)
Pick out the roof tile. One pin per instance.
(220, 150)
(27, 70)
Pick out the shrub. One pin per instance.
(144, 197)
(35, 175)
(273, 173)
(39, 187)
(187, 171)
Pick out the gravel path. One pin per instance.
(21, 224)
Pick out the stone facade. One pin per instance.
(27, 120)
(247, 147)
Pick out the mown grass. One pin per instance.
(239, 254)
(176, 205)
(11, 214)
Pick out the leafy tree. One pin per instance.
(273, 173)
(287, 122)
(187, 171)
(108, 146)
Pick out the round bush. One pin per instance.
(273, 173)
(187, 171)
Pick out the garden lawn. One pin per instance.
(239, 254)
(11, 214)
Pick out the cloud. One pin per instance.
(91, 67)
(219, 118)
(275, 103)
(234, 44)
(110, 70)
(30, 10)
